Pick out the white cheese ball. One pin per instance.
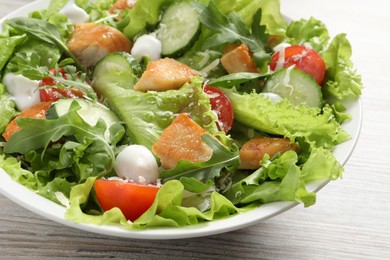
(137, 163)
(147, 45)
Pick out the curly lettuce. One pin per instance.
(309, 126)
(342, 81)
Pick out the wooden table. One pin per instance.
(351, 219)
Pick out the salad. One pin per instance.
(171, 113)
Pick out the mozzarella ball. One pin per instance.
(137, 163)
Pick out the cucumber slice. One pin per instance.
(90, 112)
(295, 85)
(179, 28)
(118, 67)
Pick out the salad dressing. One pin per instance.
(147, 45)
(24, 91)
(74, 13)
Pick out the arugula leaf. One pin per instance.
(235, 79)
(96, 152)
(204, 172)
(44, 31)
(232, 28)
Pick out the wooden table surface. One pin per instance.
(351, 219)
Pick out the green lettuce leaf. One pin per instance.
(309, 126)
(312, 32)
(166, 211)
(98, 10)
(47, 189)
(14, 168)
(282, 179)
(271, 15)
(146, 115)
(143, 14)
(7, 110)
(8, 45)
(342, 81)
(272, 18)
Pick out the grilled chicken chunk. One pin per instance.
(253, 151)
(238, 59)
(164, 74)
(90, 42)
(182, 141)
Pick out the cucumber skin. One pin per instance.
(178, 51)
(90, 112)
(117, 67)
(301, 88)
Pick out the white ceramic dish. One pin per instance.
(50, 210)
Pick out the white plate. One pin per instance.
(48, 209)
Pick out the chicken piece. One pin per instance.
(164, 74)
(238, 59)
(37, 111)
(253, 151)
(181, 140)
(90, 42)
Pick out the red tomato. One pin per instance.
(304, 59)
(120, 5)
(222, 105)
(53, 94)
(132, 198)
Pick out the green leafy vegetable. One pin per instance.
(308, 125)
(232, 28)
(7, 110)
(144, 13)
(44, 31)
(91, 150)
(235, 79)
(8, 45)
(166, 211)
(342, 81)
(146, 115)
(33, 58)
(312, 32)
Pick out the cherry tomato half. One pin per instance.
(304, 59)
(132, 198)
(222, 105)
(53, 94)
